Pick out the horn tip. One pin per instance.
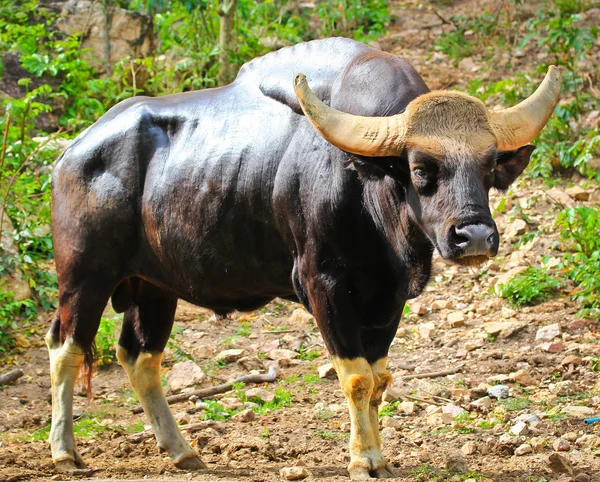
(299, 79)
(554, 72)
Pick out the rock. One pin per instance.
(582, 478)
(468, 448)
(561, 445)
(229, 356)
(578, 193)
(426, 330)
(562, 388)
(407, 407)
(503, 329)
(552, 346)
(13, 281)
(517, 228)
(249, 363)
(183, 418)
(561, 196)
(231, 403)
(560, 464)
(538, 443)
(571, 360)
(245, 416)
(453, 410)
(389, 433)
(184, 374)
(548, 332)
(282, 354)
(570, 436)
(529, 418)
(260, 393)
(326, 371)
(391, 422)
(523, 450)
(506, 277)
(391, 394)
(418, 308)
(455, 464)
(456, 319)
(203, 351)
(300, 317)
(520, 428)
(294, 473)
(441, 305)
(484, 403)
(498, 391)
(129, 33)
(588, 441)
(523, 378)
(578, 411)
(467, 65)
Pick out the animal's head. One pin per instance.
(454, 150)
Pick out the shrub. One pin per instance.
(532, 286)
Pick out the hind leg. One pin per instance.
(146, 328)
(69, 342)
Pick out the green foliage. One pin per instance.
(106, 341)
(12, 310)
(532, 286)
(389, 410)
(308, 355)
(514, 404)
(579, 228)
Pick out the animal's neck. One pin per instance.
(385, 201)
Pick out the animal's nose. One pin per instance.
(476, 239)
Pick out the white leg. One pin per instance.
(382, 379)
(144, 375)
(65, 363)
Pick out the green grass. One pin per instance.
(328, 435)
(87, 426)
(389, 410)
(531, 287)
(514, 404)
(106, 341)
(244, 329)
(308, 355)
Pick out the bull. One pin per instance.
(333, 195)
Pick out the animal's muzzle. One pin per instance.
(475, 240)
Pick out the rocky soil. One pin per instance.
(525, 379)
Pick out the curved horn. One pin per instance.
(519, 125)
(365, 136)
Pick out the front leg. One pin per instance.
(381, 380)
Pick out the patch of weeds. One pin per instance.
(557, 417)
(89, 425)
(244, 329)
(282, 399)
(276, 329)
(308, 355)
(487, 424)
(461, 422)
(425, 473)
(135, 427)
(530, 287)
(210, 367)
(326, 434)
(389, 410)
(514, 404)
(230, 341)
(106, 341)
(324, 414)
(291, 380)
(440, 431)
(311, 379)
(261, 355)
(264, 433)
(215, 411)
(492, 337)
(576, 397)
(595, 363)
(174, 346)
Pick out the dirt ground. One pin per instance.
(449, 327)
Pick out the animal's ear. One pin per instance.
(510, 164)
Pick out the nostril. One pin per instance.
(491, 239)
(459, 237)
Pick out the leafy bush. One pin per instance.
(106, 341)
(580, 228)
(532, 286)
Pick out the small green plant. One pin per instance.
(328, 435)
(532, 286)
(106, 341)
(514, 404)
(244, 329)
(595, 363)
(308, 355)
(389, 410)
(265, 433)
(425, 473)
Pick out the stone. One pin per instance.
(426, 330)
(231, 403)
(578, 411)
(300, 317)
(249, 363)
(294, 473)
(389, 433)
(453, 410)
(129, 33)
(245, 416)
(562, 388)
(571, 360)
(582, 478)
(484, 403)
(517, 228)
(391, 394)
(468, 448)
(548, 332)
(560, 464)
(561, 445)
(183, 418)
(229, 356)
(282, 354)
(203, 351)
(578, 193)
(503, 329)
(561, 196)
(456, 319)
(260, 393)
(455, 464)
(407, 408)
(13, 281)
(523, 378)
(326, 371)
(498, 391)
(529, 418)
(183, 375)
(438, 305)
(523, 450)
(418, 308)
(519, 428)
(570, 436)
(552, 346)
(588, 441)
(391, 422)
(538, 443)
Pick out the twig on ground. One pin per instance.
(190, 428)
(11, 376)
(441, 373)
(270, 376)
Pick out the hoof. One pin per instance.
(190, 463)
(359, 473)
(382, 473)
(70, 466)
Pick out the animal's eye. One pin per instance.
(418, 172)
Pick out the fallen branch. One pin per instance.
(441, 373)
(190, 428)
(270, 376)
(11, 376)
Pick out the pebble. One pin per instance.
(468, 448)
(484, 403)
(523, 450)
(578, 411)
(300, 317)
(498, 391)
(561, 445)
(524, 378)
(294, 473)
(520, 428)
(426, 330)
(548, 332)
(245, 416)
(260, 393)
(538, 443)
(553, 347)
(571, 360)
(441, 305)
(418, 308)
(229, 356)
(562, 388)
(183, 375)
(560, 464)
(407, 408)
(588, 441)
(456, 319)
(326, 371)
(391, 422)
(455, 464)
(282, 354)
